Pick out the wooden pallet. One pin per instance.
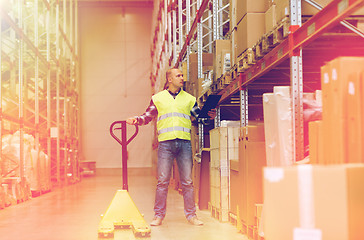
(202, 99)
(256, 235)
(258, 49)
(226, 80)
(233, 219)
(222, 82)
(215, 87)
(215, 212)
(249, 230)
(16, 191)
(270, 40)
(281, 30)
(234, 72)
(267, 43)
(246, 60)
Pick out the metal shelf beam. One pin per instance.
(328, 17)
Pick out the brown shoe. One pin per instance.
(156, 221)
(194, 221)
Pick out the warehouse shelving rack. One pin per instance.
(40, 81)
(321, 38)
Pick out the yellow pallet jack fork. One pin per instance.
(122, 212)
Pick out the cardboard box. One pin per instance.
(355, 118)
(223, 143)
(326, 118)
(255, 156)
(362, 112)
(184, 70)
(314, 199)
(247, 6)
(270, 19)
(340, 69)
(233, 14)
(255, 133)
(207, 60)
(233, 143)
(313, 136)
(251, 163)
(220, 48)
(191, 88)
(234, 47)
(316, 142)
(237, 184)
(249, 30)
(235, 188)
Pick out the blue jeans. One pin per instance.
(168, 151)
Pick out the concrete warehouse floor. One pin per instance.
(73, 213)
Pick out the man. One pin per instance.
(174, 108)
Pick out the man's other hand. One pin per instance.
(131, 121)
(212, 113)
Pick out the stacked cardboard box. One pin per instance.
(249, 30)
(252, 160)
(221, 57)
(207, 63)
(223, 147)
(193, 83)
(270, 18)
(314, 202)
(342, 112)
(248, 24)
(315, 141)
(247, 170)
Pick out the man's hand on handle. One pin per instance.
(131, 121)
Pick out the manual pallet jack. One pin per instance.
(122, 212)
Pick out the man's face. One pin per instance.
(176, 78)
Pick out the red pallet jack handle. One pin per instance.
(123, 142)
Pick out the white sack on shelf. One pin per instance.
(33, 170)
(36, 166)
(282, 96)
(270, 130)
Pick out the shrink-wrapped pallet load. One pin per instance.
(284, 114)
(278, 127)
(270, 129)
(36, 167)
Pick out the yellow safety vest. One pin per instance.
(174, 115)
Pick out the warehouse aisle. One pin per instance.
(73, 213)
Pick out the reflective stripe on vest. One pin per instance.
(174, 114)
(171, 129)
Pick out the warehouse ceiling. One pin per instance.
(116, 3)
